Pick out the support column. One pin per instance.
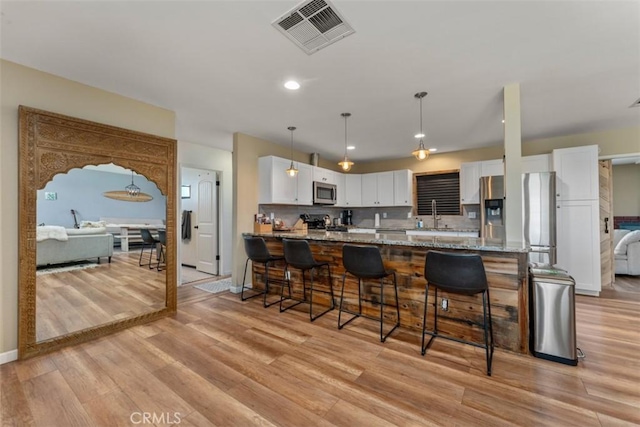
(513, 163)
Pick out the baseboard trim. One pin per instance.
(235, 289)
(8, 356)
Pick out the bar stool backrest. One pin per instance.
(456, 273)
(147, 238)
(363, 261)
(256, 249)
(297, 253)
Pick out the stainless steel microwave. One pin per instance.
(324, 194)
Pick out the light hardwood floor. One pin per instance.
(223, 362)
(74, 300)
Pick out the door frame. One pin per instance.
(218, 174)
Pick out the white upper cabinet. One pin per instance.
(341, 188)
(377, 189)
(538, 163)
(403, 187)
(304, 184)
(352, 190)
(491, 168)
(276, 187)
(324, 175)
(470, 183)
(577, 173)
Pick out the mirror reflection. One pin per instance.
(99, 250)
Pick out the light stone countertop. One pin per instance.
(442, 242)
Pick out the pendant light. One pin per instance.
(420, 153)
(345, 164)
(132, 189)
(292, 171)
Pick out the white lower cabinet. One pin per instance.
(578, 243)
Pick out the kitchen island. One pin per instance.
(505, 265)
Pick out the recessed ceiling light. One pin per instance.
(292, 85)
(502, 120)
(419, 135)
(433, 149)
(351, 147)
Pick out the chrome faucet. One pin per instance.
(434, 212)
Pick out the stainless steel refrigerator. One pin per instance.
(539, 215)
(492, 207)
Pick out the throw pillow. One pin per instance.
(621, 247)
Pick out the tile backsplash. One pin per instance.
(397, 217)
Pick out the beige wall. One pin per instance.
(612, 142)
(246, 151)
(25, 86)
(626, 190)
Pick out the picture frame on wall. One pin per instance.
(185, 191)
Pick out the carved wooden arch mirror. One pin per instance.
(52, 145)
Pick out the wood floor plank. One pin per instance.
(61, 407)
(112, 409)
(223, 362)
(14, 405)
(213, 403)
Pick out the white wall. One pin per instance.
(197, 156)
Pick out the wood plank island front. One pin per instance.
(506, 269)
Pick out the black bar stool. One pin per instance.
(297, 254)
(257, 252)
(365, 263)
(147, 240)
(458, 274)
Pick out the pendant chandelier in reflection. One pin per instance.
(292, 171)
(421, 153)
(345, 164)
(132, 189)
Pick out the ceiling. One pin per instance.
(220, 66)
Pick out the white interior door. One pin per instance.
(207, 226)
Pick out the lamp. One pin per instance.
(420, 153)
(345, 164)
(132, 189)
(292, 171)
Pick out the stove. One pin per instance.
(342, 228)
(314, 222)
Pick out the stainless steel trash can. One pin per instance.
(552, 316)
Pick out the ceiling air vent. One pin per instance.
(313, 25)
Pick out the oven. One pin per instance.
(324, 194)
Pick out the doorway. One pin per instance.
(623, 205)
(200, 213)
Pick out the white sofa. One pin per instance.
(626, 244)
(82, 244)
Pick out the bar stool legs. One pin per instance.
(312, 317)
(383, 336)
(263, 292)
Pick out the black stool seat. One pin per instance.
(462, 274)
(297, 254)
(257, 252)
(365, 263)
